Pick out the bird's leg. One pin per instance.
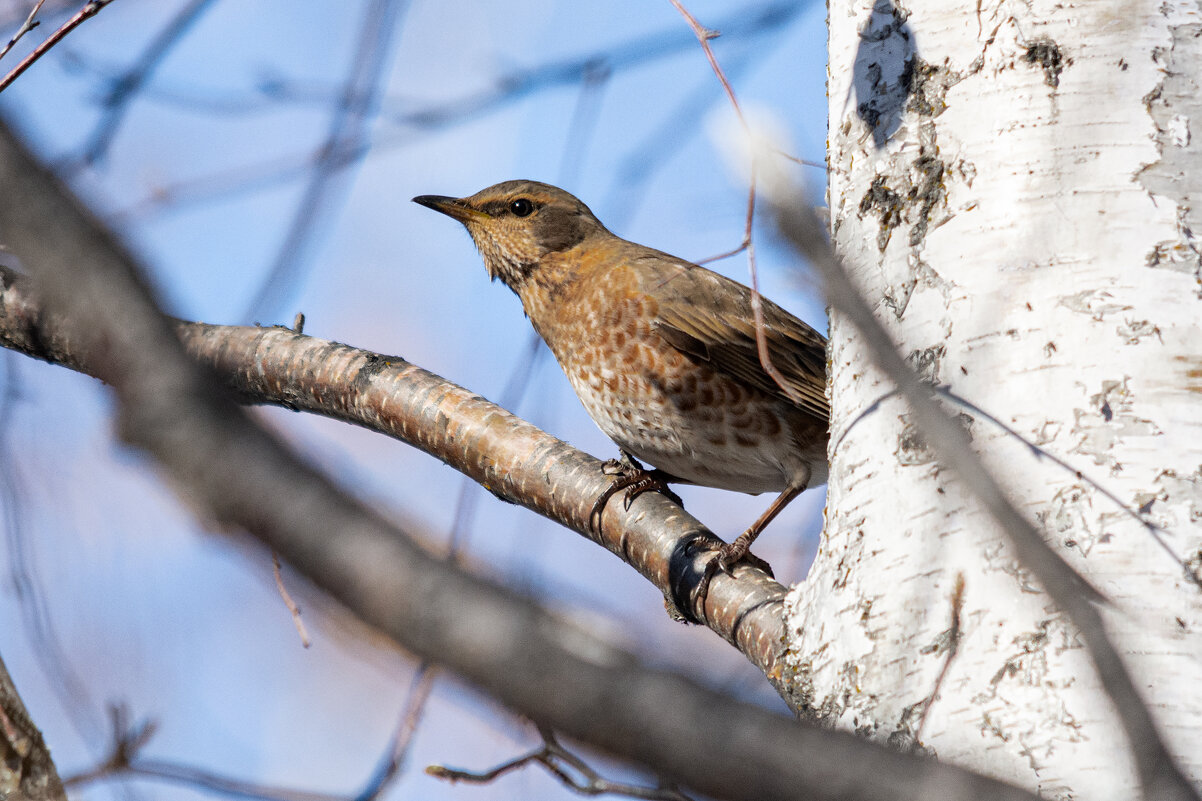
(734, 552)
(635, 479)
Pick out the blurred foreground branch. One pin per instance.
(551, 671)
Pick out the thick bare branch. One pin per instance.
(556, 673)
(511, 458)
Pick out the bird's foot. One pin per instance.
(729, 555)
(635, 480)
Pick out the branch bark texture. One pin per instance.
(995, 195)
(507, 455)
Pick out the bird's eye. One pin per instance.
(521, 207)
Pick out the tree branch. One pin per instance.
(90, 9)
(511, 458)
(572, 771)
(28, 25)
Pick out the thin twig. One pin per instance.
(128, 740)
(10, 15)
(703, 35)
(803, 162)
(90, 9)
(127, 85)
(198, 778)
(584, 120)
(28, 585)
(952, 640)
(415, 706)
(725, 254)
(507, 89)
(28, 25)
(346, 142)
(201, 778)
(575, 774)
(757, 308)
(293, 609)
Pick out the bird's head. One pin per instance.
(516, 223)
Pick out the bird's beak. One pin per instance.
(452, 207)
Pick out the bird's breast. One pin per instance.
(666, 409)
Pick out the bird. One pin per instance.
(661, 352)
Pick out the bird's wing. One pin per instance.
(708, 317)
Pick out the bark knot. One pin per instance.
(1047, 55)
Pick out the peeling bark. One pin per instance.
(1010, 228)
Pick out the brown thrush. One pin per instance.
(661, 352)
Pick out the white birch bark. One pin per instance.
(1022, 219)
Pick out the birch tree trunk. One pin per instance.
(1012, 185)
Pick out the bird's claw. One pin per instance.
(635, 480)
(616, 467)
(727, 557)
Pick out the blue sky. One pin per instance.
(155, 609)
